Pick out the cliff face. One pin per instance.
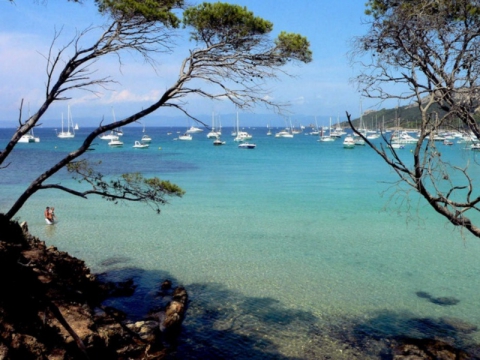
(51, 307)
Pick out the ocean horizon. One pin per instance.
(297, 249)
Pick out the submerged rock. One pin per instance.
(421, 349)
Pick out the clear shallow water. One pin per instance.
(286, 250)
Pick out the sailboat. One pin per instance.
(118, 131)
(67, 134)
(361, 128)
(241, 135)
(285, 133)
(338, 132)
(315, 131)
(213, 133)
(29, 138)
(114, 134)
(76, 127)
(145, 137)
(329, 137)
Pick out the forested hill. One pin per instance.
(407, 117)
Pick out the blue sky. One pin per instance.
(321, 88)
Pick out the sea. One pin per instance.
(297, 249)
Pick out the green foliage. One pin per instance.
(232, 25)
(293, 46)
(224, 23)
(150, 10)
(127, 187)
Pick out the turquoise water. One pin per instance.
(291, 250)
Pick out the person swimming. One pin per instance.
(49, 215)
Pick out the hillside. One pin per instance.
(407, 117)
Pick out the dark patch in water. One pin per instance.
(114, 261)
(423, 295)
(442, 301)
(445, 301)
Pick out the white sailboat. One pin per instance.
(329, 137)
(145, 137)
(29, 138)
(241, 135)
(114, 134)
(67, 134)
(118, 131)
(361, 128)
(315, 131)
(213, 133)
(285, 133)
(338, 131)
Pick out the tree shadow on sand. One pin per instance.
(225, 324)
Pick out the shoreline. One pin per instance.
(51, 305)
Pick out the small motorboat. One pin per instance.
(218, 142)
(348, 142)
(247, 146)
(185, 137)
(110, 136)
(475, 146)
(115, 142)
(140, 145)
(146, 139)
(396, 145)
(194, 130)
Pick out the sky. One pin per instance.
(320, 89)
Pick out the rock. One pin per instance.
(148, 331)
(420, 349)
(40, 275)
(170, 320)
(24, 227)
(180, 295)
(166, 285)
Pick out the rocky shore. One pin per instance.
(51, 307)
